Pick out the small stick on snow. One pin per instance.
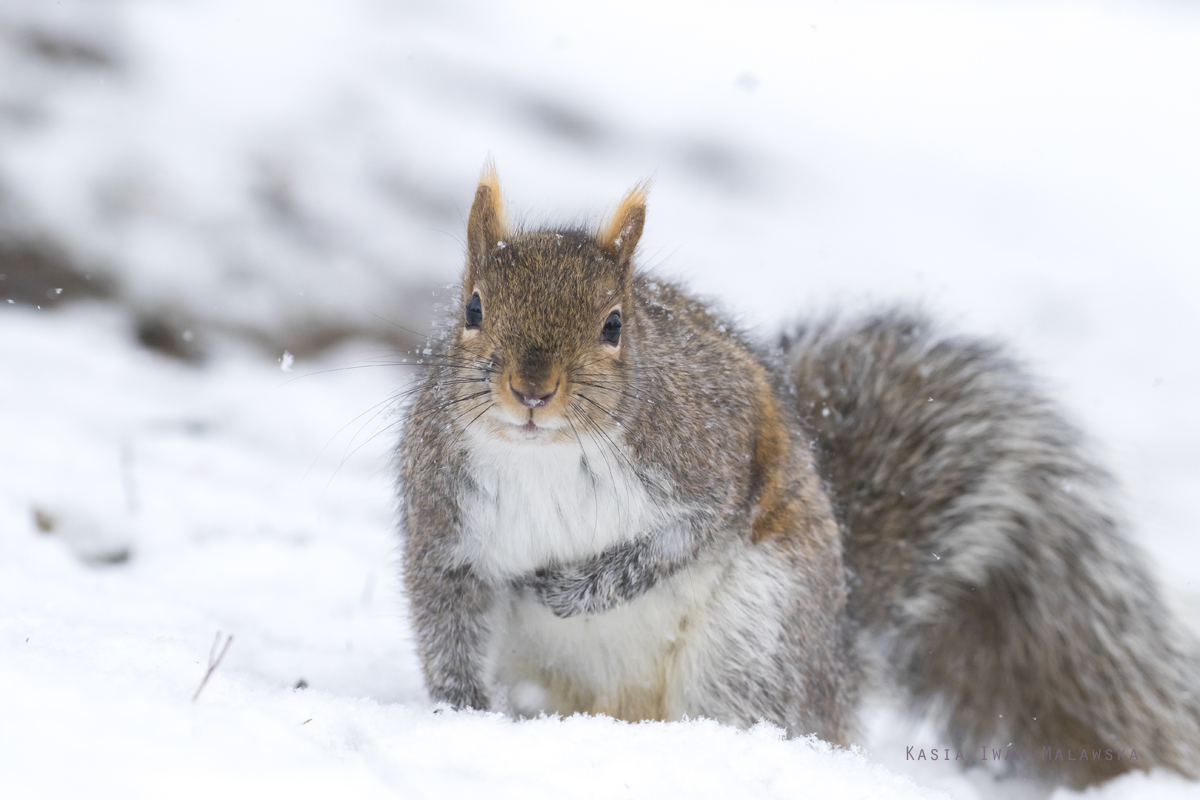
(214, 661)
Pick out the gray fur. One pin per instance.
(986, 556)
(677, 417)
(701, 529)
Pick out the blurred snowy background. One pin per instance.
(188, 188)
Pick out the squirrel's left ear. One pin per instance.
(619, 236)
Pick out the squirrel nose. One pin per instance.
(532, 395)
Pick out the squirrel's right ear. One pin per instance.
(487, 225)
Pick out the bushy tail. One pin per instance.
(986, 556)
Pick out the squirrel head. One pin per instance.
(549, 312)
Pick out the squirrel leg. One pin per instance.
(450, 610)
(770, 645)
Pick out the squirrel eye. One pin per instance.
(612, 328)
(474, 313)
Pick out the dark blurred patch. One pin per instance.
(44, 521)
(550, 115)
(107, 558)
(188, 427)
(165, 336)
(301, 684)
(276, 190)
(180, 338)
(62, 50)
(718, 163)
(747, 82)
(310, 340)
(561, 121)
(21, 114)
(81, 539)
(420, 199)
(711, 160)
(587, 128)
(35, 273)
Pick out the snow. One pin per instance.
(248, 511)
(255, 171)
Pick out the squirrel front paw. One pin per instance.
(566, 591)
(460, 696)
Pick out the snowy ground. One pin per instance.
(280, 174)
(242, 499)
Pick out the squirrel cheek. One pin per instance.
(610, 352)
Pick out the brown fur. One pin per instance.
(776, 512)
(619, 236)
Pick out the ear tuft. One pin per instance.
(619, 236)
(487, 224)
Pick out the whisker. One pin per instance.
(480, 414)
(595, 487)
(386, 401)
(595, 427)
(610, 414)
(427, 412)
(706, 390)
(386, 429)
(595, 360)
(651, 494)
(606, 388)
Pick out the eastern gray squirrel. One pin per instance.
(614, 503)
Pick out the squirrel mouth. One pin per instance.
(533, 429)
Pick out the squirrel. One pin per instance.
(613, 502)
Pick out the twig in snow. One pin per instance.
(214, 661)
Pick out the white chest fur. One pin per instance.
(630, 662)
(535, 504)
